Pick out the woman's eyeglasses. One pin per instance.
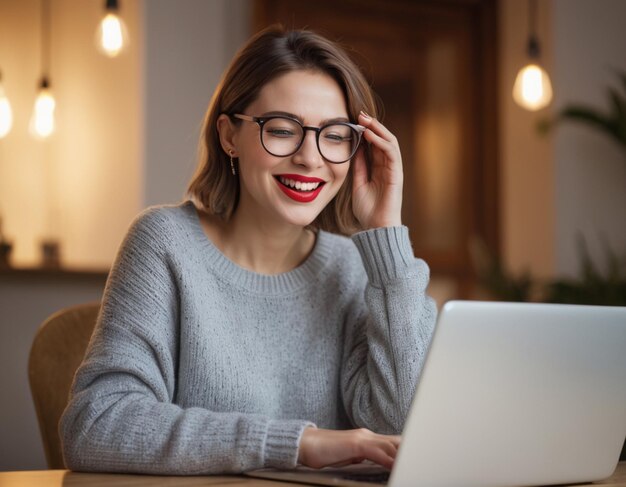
(283, 136)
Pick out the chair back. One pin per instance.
(57, 350)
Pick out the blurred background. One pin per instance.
(503, 201)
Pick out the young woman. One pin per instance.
(237, 329)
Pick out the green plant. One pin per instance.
(593, 286)
(494, 277)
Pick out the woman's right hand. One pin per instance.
(323, 448)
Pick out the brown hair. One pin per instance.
(267, 55)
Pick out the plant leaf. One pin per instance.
(618, 105)
(622, 76)
(594, 118)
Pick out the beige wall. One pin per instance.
(83, 184)
(187, 47)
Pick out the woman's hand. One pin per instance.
(323, 448)
(378, 202)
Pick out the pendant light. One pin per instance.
(532, 89)
(111, 35)
(6, 114)
(42, 121)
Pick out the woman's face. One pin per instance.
(266, 180)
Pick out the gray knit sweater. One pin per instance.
(199, 366)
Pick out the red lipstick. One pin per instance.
(298, 195)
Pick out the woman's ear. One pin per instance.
(228, 134)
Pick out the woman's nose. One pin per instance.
(308, 154)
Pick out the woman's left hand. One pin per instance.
(377, 202)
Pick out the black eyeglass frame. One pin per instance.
(358, 129)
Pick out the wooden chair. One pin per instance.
(57, 350)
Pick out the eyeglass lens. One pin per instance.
(283, 136)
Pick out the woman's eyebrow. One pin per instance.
(336, 119)
(278, 113)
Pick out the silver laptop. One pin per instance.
(512, 394)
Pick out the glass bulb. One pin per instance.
(42, 121)
(532, 89)
(6, 114)
(111, 35)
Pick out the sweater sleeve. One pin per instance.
(122, 415)
(388, 332)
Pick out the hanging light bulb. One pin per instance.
(6, 114)
(42, 121)
(111, 35)
(532, 89)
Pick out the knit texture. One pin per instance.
(199, 366)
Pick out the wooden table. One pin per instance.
(65, 478)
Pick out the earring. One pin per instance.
(232, 163)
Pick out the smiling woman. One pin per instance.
(266, 58)
(238, 330)
(285, 147)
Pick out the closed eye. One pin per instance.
(337, 138)
(283, 133)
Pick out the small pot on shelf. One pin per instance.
(5, 253)
(50, 254)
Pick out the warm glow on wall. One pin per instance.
(111, 35)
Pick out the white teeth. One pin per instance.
(298, 185)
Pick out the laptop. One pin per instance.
(512, 394)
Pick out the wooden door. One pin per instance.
(433, 65)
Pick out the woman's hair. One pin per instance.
(269, 54)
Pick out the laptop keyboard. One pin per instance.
(374, 478)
